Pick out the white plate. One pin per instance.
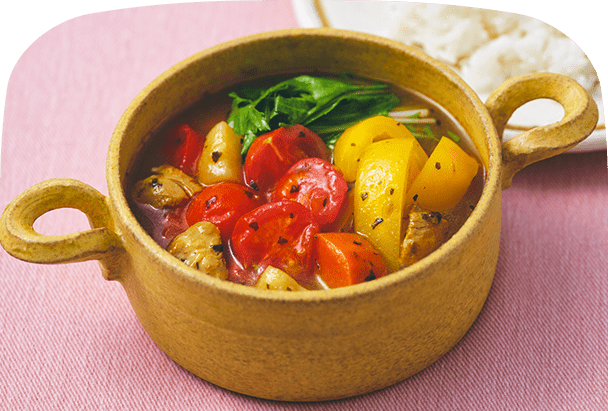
(374, 17)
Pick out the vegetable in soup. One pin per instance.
(310, 182)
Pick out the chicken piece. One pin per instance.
(200, 247)
(274, 279)
(166, 187)
(426, 231)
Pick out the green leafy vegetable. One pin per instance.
(421, 133)
(326, 105)
(429, 133)
(454, 137)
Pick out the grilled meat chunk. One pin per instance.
(166, 187)
(426, 231)
(200, 246)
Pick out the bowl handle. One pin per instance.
(538, 143)
(18, 237)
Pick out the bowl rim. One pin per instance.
(122, 211)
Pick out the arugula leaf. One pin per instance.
(326, 105)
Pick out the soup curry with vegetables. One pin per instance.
(308, 182)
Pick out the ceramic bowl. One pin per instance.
(317, 345)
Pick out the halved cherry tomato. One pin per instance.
(273, 153)
(278, 234)
(343, 259)
(316, 184)
(222, 204)
(183, 148)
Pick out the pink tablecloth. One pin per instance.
(70, 340)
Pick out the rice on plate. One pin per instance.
(487, 47)
(484, 47)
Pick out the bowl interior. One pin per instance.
(294, 51)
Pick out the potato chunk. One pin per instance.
(220, 159)
(274, 279)
(166, 187)
(426, 231)
(200, 247)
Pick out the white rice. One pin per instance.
(486, 47)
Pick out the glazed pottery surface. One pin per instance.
(314, 345)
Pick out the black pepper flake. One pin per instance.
(472, 207)
(291, 215)
(438, 122)
(416, 197)
(154, 183)
(254, 226)
(248, 193)
(371, 276)
(281, 240)
(218, 248)
(317, 264)
(294, 189)
(254, 185)
(377, 222)
(324, 201)
(197, 265)
(392, 191)
(301, 134)
(210, 201)
(438, 165)
(215, 156)
(364, 196)
(357, 242)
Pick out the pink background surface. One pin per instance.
(70, 340)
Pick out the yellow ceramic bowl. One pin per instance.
(316, 345)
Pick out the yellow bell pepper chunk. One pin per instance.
(445, 178)
(353, 142)
(386, 171)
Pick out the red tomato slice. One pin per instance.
(316, 184)
(271, 155)
(183, 148)
(278, 234)
(222, 204)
